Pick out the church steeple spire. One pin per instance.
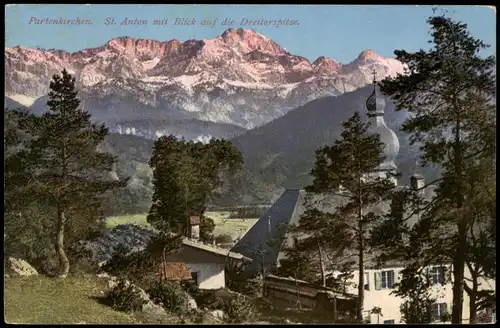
(375, 105)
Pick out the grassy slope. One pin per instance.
(42, 300)
(233, 227)
(74, 300)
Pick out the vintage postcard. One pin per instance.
(258, 164)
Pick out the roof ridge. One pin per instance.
(218, 250)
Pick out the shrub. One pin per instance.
(194, 291)
(205, 298)
(238, 281)
(197, 316)
(119, 262)
(170, 295)
(238, 309)
(81, 260)
(223, 239)
(138, 267)
(124, 297)
(210, 300)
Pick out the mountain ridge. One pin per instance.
(174, 43)
(239, 77)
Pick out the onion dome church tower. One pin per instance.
(375, 105)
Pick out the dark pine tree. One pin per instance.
(346, 164)
(450, 90)
(69, 172)
(186, 177)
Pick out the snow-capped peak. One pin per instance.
(240, 77)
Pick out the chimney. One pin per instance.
(417, 182)
(194, 227)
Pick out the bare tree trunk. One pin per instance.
(472, 292)
(164, 263)
(335, 313)
(473, 307)
(361, 284)
(262, 266)
(459, 258)
(59, 245)
(298, 291)
(321, 265)
(458, 282)
(188, 225)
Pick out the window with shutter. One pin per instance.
(437, 275)
(439, 310)
(387, 279)
(378, 281)
(367, 281)
(442, 277)
(447, 273)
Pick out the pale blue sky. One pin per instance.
(339, 32)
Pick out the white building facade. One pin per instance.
(380, 283)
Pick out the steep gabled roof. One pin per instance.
(254, 243)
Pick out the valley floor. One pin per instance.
(234, 227)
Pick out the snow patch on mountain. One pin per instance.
(149, 64)
(188, 80)
(21, 99)
(248, 85)
(239, 78)
(157, 134)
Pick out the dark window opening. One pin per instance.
(439, 311)
(367, 281)
(436, 275)
(194, 277)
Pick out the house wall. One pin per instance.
(210, 275)
(210, 267)
(391, 304)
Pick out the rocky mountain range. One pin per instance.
(276, 107)
(197, 88)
